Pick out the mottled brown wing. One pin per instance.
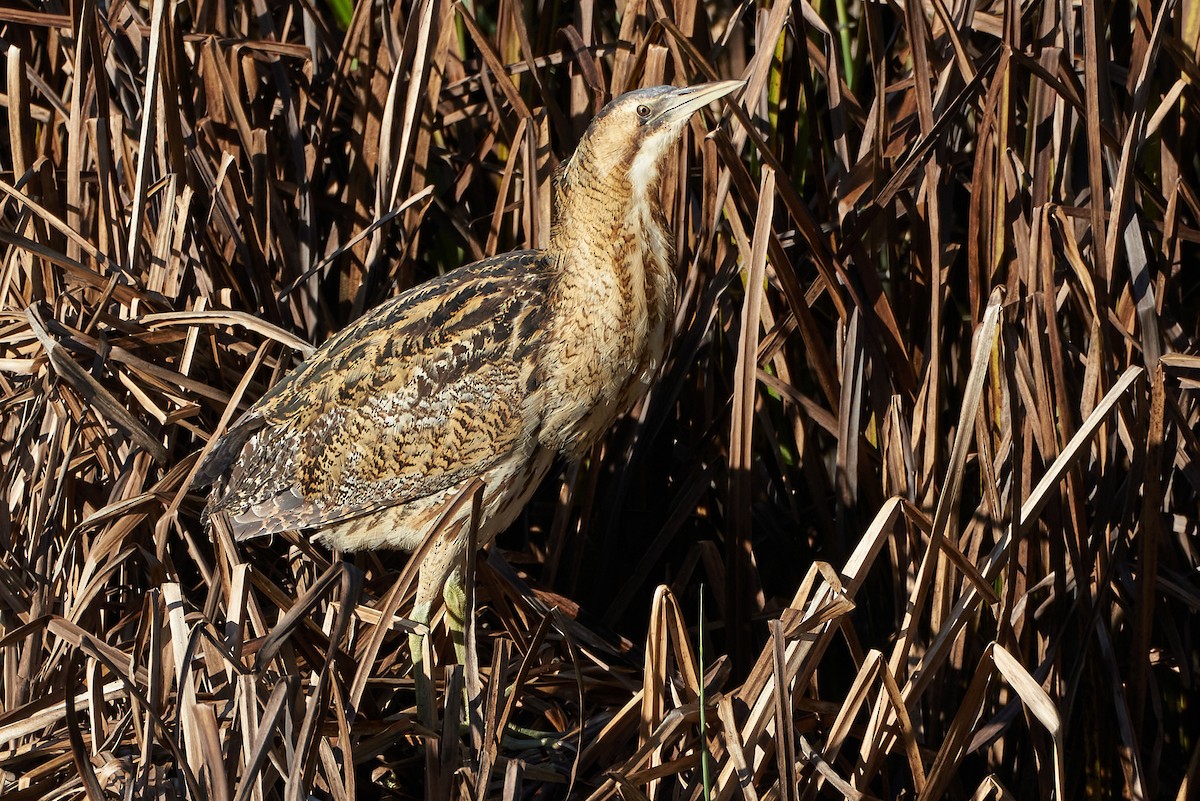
(417, 396)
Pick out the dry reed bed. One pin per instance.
(926, 444)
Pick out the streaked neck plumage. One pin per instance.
(608, 217)
(614, 293)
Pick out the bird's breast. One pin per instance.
(609, 332)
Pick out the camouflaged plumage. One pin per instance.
(419, 395)
(487, 372)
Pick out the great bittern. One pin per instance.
(488, 371)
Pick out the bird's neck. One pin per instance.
(613, 298)
(612, 231)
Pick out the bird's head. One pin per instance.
(629, 137)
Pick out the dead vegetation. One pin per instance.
(924, 455)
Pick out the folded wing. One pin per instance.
(417, 396)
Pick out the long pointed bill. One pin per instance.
(681, 103)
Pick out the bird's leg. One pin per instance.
(457, 621)
(441, 570)
(455, 594)
(422, 613)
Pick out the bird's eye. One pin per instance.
(643, 111)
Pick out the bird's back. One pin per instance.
(415, 398)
